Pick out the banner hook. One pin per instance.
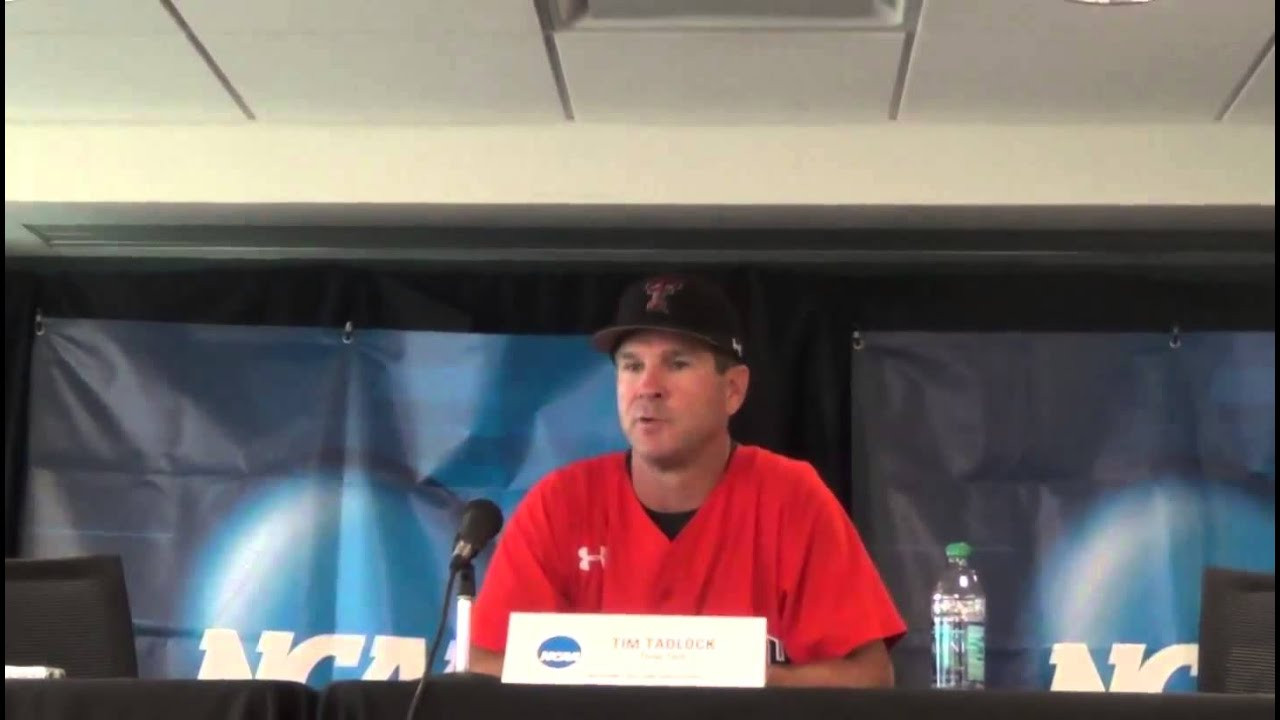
(348, 331)
(1175, 337)
(39, 324)
(858, 342)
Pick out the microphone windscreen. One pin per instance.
(481, 521)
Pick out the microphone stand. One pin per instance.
(459, 569)
(481, 522)
(462, 617)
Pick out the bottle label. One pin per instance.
(948, 652)
(975, 655)
(959, 654)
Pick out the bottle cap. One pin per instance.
(959, 550)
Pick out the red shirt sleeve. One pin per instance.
(520, 576)
(834, 600)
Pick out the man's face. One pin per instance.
(672, 400)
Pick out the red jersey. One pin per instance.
(769, 541)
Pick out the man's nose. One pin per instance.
(652, 383)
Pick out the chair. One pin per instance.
(69, 613)
(1237, 632)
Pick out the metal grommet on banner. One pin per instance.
(348, 332)
(39, 324)
(858, 342)
(1175, 337)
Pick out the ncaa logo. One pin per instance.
(559, 652)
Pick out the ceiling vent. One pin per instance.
(736, 14)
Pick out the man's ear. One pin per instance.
(736, 379)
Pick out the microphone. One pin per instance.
(481, 521)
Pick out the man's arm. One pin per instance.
(486, 662)
(833, 599)
(867, 667)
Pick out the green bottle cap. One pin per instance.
(959, 550)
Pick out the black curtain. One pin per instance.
(800, 323)
(20, 293)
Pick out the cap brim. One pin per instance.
(608, 339)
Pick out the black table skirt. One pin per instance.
(469, 697)
(473, 697)
(158, 699)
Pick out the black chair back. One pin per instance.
(1237, 632)
(69, 613)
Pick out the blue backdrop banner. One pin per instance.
(1096, 476)
(285, 499)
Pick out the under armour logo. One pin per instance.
(659, 291)
(585, 558)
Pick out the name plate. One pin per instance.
(660, 650)
(33, 672)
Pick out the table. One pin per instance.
(478, 697)
(159, 699)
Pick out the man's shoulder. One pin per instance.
(785, 480)
(580, 475)
(773, 468)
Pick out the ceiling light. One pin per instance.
(712, 14)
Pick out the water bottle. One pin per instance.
(959, 624)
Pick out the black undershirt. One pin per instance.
(671, 523)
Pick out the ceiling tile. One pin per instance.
(1052, 60)
(338, 17)
(98, 17)
(381, 78)
(448, 61)
(110, 78)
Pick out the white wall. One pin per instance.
(51, 170)
(855, 165)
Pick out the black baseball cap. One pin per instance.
(682, 304)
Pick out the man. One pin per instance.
(688, 522)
